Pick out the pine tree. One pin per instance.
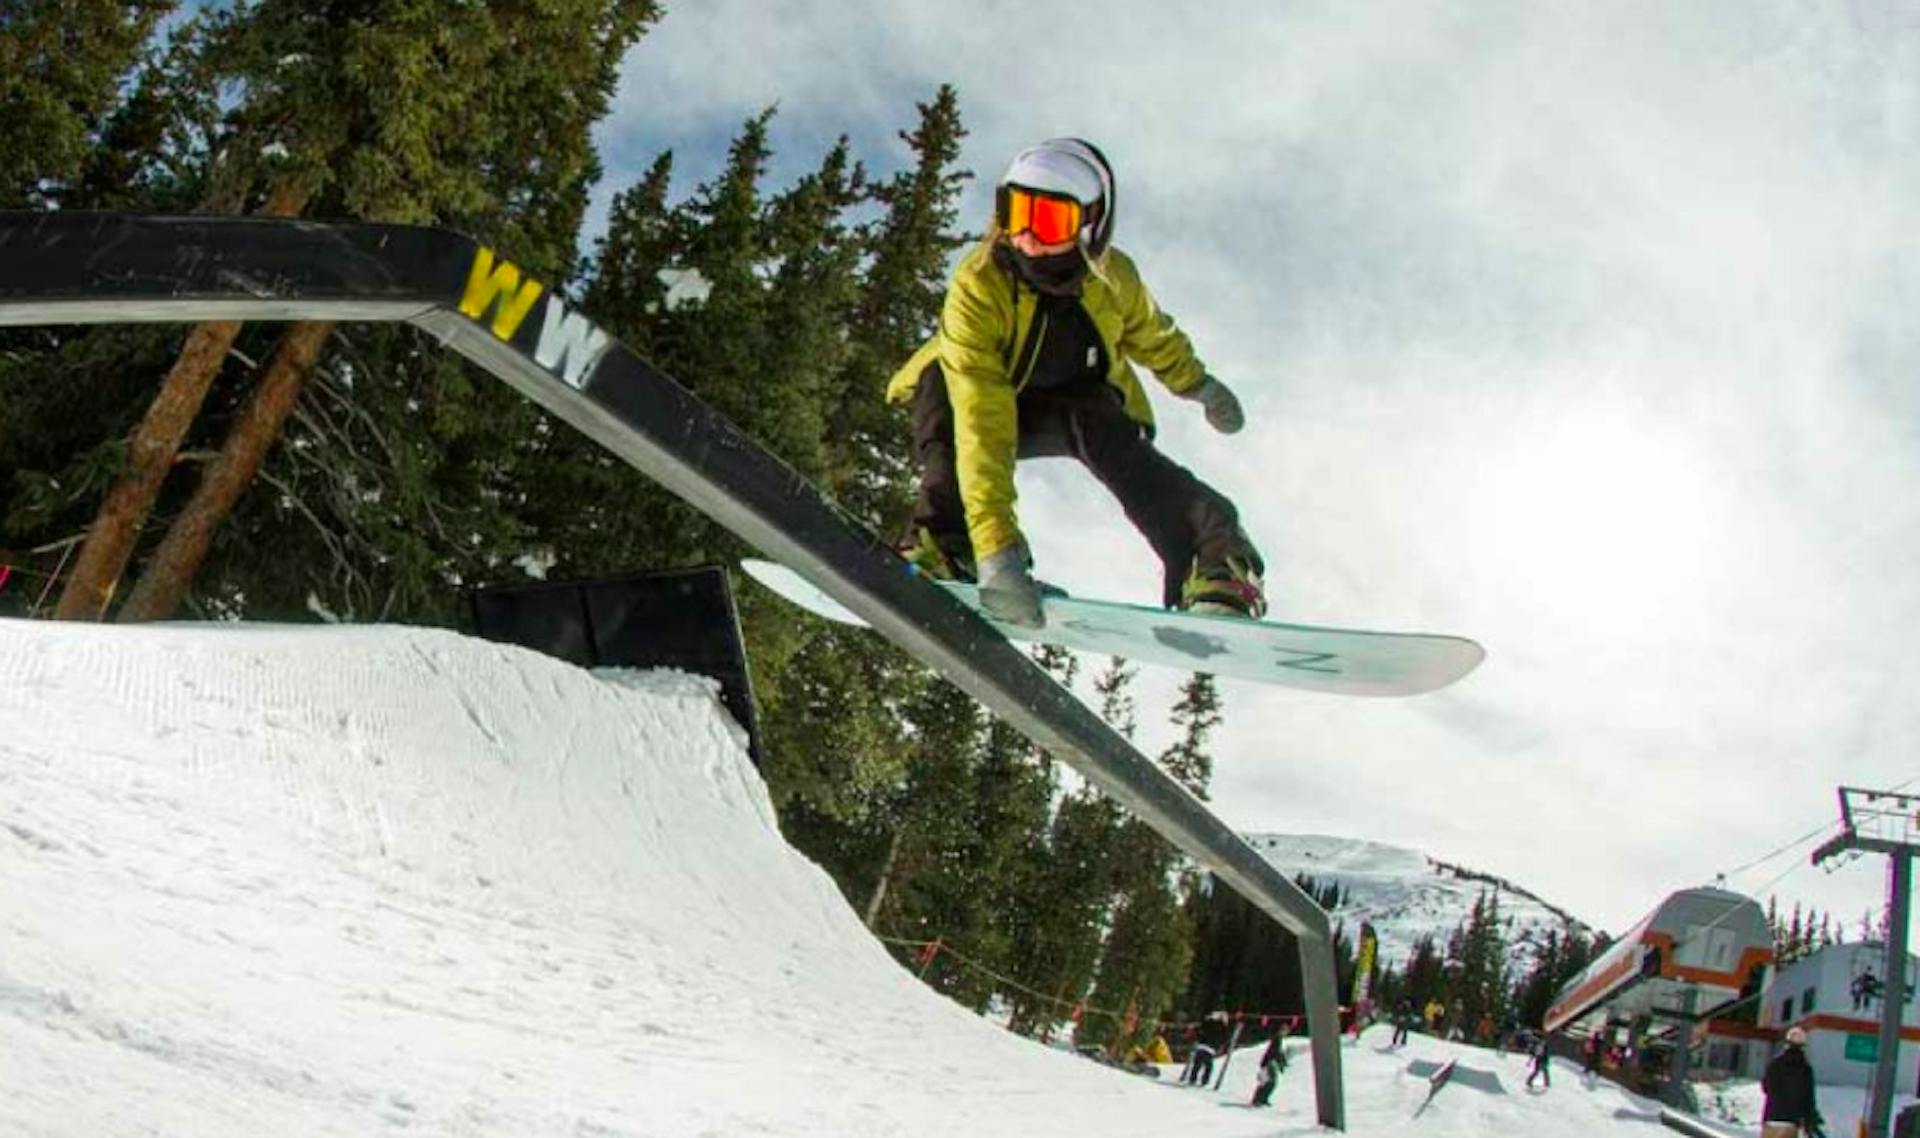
(1066, 889)
(1196, 714)
(72, 394)
(1535, 993)
(1010, 811)
(1070, 888)
(1243, 958)
(1143, 965)
(397, 110)
(626, 290)
(1149, 950)
(895, 309)
(975, 808)
(61, 66)
(863, 330)
(1113, 689)
(1477, 965)
(495, 115)
(924, 895)
(1425, 977)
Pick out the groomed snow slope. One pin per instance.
(318, 881)
(269, 880)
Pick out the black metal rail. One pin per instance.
(62, 268)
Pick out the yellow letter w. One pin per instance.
(487, 284)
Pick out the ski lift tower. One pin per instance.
(1880, 821)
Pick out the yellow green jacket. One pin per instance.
(982, 327)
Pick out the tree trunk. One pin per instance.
(152, 450)
(886, 875)
(150, 455)
(170, 571)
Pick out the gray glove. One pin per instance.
(1223, 409)
(1007, 587)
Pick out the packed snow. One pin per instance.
(337, 880)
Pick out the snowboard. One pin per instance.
(1338, 660)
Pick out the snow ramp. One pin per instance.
(308, 880)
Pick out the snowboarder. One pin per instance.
(1788, 1083)
(1541, 1057)
(1272, 1061)
(1154, 1051)
(1042, 324)
(1212, 1037)
(1403, 1018)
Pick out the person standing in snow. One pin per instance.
(1034, 357)
(1403, 1018)
(1595, 1049)
(1210, 1041)
(1541, 1057)
(1789, 1084)
(1272, 1061)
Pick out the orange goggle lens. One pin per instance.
(1053, 220)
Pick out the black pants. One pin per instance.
(1399, 1035)
(1263, 1091)
(1200, 1066)
(1182, 518)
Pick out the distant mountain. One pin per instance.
(1407, 894)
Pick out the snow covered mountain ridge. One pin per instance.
(1407, 894)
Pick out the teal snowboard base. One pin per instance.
(1343, 661)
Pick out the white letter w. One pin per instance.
(569, 343)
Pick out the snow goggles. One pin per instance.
(1051, 218)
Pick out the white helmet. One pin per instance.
(1796, 1037)
(1076, 168)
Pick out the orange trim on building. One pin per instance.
(1600, 982)
(1819, 1021)
(1825, 1021)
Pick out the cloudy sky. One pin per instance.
(1584, 330)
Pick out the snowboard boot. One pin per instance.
(1231, 588)
(927, 556)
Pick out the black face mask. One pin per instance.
(1056, 274)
